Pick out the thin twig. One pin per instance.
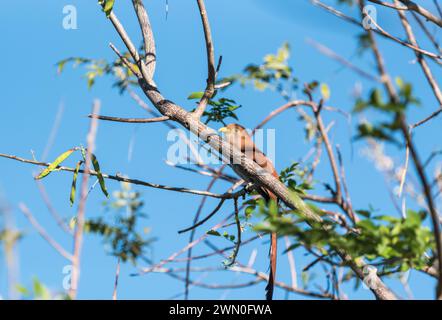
(331, 54)
(129, 120)
(238, 235)
(54, 131)
(148, 39)
(211, 72)
(199, 223)
(438, 8)
(43, 233)
(426, 119)
(350, 211)
(61, 223)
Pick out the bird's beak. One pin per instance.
(223, 129)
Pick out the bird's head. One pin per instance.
(238, 136)
(233, 129)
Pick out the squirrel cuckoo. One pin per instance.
(238, 137)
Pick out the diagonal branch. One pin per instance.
(211, 72)
(333, 55)
(422, 11)
(411, 6)
(148, 39)
(426, 119)
(43, 233)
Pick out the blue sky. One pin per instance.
(244, 31)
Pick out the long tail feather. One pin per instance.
(272, 273)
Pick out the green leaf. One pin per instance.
(325, 91)
(376, 98)
(364, 213)
(214, 233)
(74, 182)
(55, 164)
(108, 5)
(22, 290)
(249, 210)
(40, 291)
(195, 95)
(99, 175)
(399, 82)
(83, 152)
(293, 246)
(60, 65)
(305, 277)
(72, 223)
(273, 208)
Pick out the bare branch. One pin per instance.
(211, 72)
(330, 53)
(205, 219)
(129, 120)
(422, 11)
(411, 6)
(350, 211)
(238, 235)
(329, 149)
(148, 38)
(389, 5)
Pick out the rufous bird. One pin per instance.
(238, 136)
